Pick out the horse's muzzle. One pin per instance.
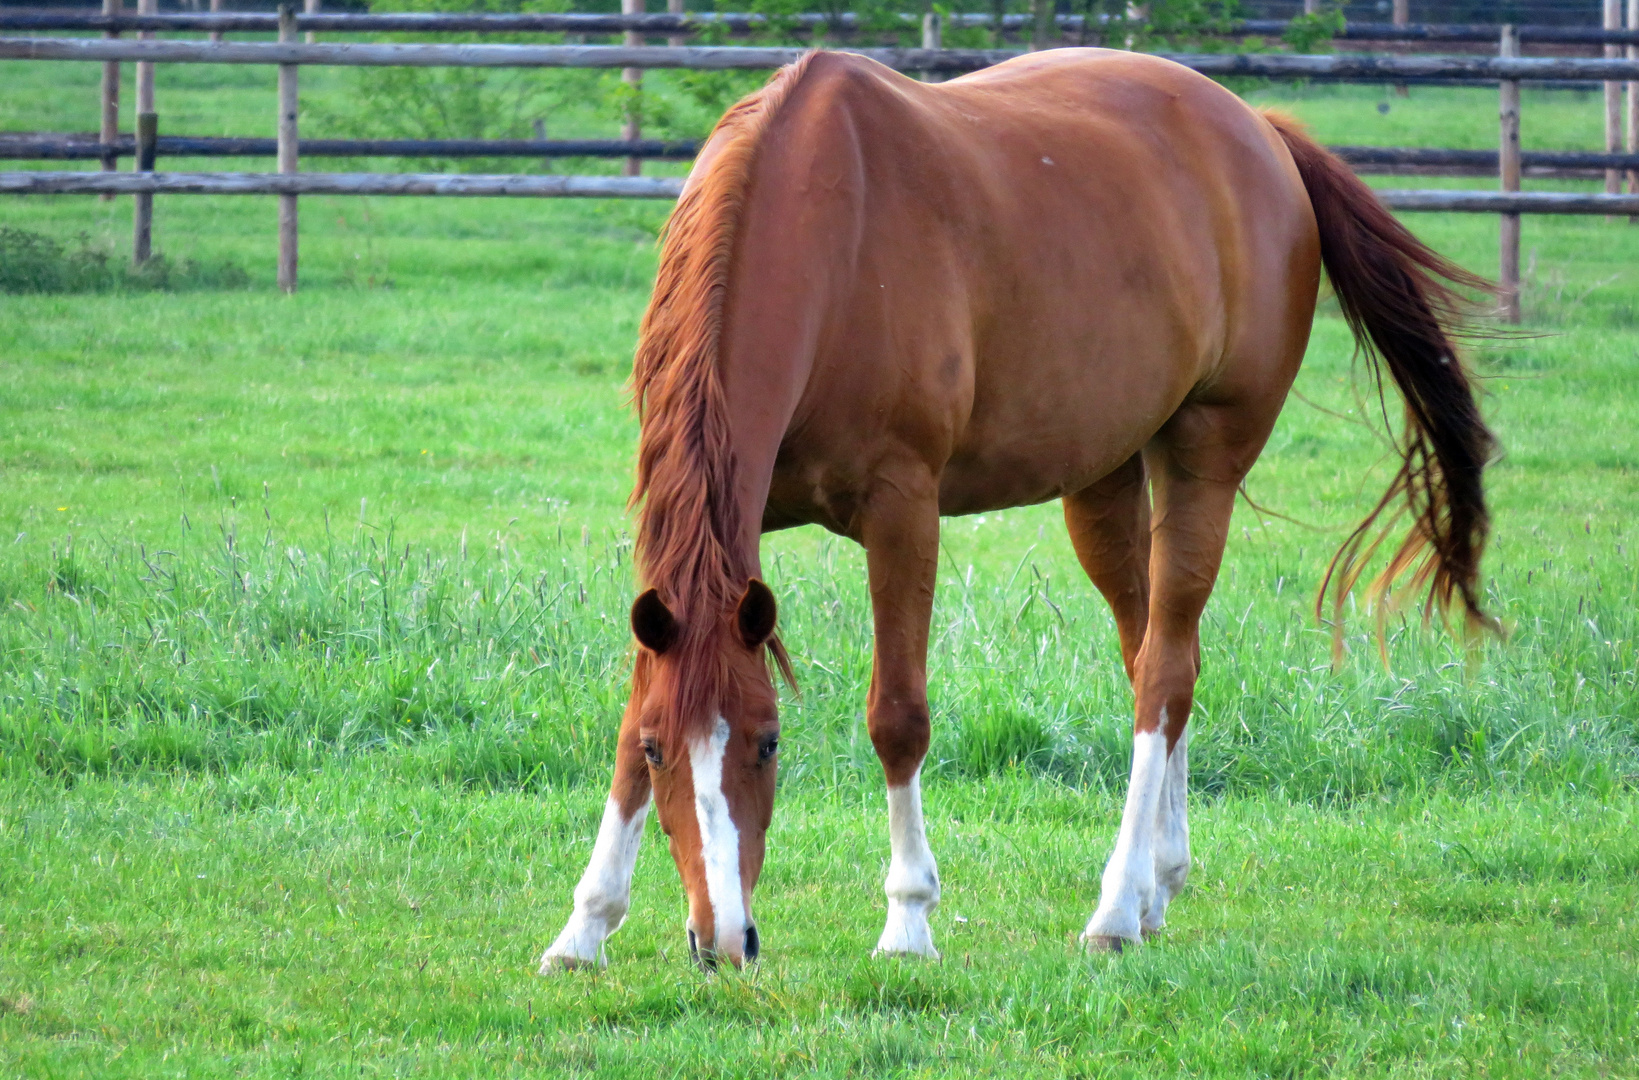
(706, 959)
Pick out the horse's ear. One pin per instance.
(755, 617)
(653, 623)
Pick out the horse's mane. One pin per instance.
(689, 529)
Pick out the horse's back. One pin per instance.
(1045, 260)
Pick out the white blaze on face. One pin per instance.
(719, 840)
(1129, 880)
(604, 892)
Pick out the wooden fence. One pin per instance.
(1508, 70)
(1376, 160)
(1342, 67)
(741, 24)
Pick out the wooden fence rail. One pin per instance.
(45, 146)
(652, 187)
(741, 23)
(1351, 68)
(1382, 160)
(292, 184)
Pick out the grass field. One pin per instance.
(314, 638)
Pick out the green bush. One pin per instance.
(32, 262)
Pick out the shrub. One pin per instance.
(32, 262)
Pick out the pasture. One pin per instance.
(315, 637)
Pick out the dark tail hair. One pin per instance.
(1400, 299)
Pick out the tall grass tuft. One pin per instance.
(33, 262)
(504, 667)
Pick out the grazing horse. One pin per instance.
(1083, 275)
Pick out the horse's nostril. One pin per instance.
(753, 944)
(707, 960)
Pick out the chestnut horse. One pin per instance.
(1083, 275)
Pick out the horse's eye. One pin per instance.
(769, 748)
(651, 750)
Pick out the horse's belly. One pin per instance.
(1025, 471)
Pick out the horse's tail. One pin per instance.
(1400, 299)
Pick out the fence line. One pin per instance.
(292, 184)
(672, 24)
(1508, 70)
(655, 187)
(1382, 160)
(1363, 68)
(48, 146)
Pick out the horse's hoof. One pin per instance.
(879, 953)
(553, 964)
(1106, 943)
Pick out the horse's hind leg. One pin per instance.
(1109, 526)
(1196, 463)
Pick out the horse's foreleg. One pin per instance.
(900, 531)
(1194, 495)
(605, 890)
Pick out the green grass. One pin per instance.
(312, 612)
(338, 922)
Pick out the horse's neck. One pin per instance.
(757, 422)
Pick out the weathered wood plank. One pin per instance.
(45, 146)
(147, 130)
(586, 187)
(1509, 172)
(1508, 202)
(731, 57)
(288, 151)
(657, 187)
(50, 146)
(736, 22)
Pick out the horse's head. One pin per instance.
(708, 717)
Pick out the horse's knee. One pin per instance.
(900, 732)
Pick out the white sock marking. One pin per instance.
(1129, 879)
(913, 877)
(604, 892)
(719, 842)
(1172, 836)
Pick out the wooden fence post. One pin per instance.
(1402, 17)
(1042, 23)
(287, 151)
(109, 131)
(216, 8)
(1509, 167)
(676, 41)
(632, 129)
(1633, 107)
(142, 217)
(933, 37)
(311, 7)
(539, 126)
(1613, 99)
